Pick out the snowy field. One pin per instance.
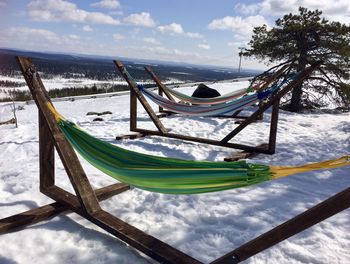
(60, 83)
(204, 226)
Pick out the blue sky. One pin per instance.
(193, 31)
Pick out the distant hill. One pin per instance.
(102, 68)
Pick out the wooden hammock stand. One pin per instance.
(162, 90)
(267, 148)
(85, 201)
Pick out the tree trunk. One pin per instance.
(297, 92)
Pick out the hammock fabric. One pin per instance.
(223, 98)
(212, 110)
(227, 108)
(175, 176)
(214, 100)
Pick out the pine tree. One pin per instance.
(308, 37)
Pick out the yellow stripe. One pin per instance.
(54, 112)
(282, 171)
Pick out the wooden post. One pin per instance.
(46, 155)
(160, 92)
(133, 111)
(273, 127)
(261, 116)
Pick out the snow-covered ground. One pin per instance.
(204, 226)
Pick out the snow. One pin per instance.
(204, 226)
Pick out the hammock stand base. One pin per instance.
(274, 102)
(85, 201)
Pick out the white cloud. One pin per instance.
(335, 10)
(60, 10)
(158, 51)
(203, 46)
(247, 9)
(237, 24)
(27, 33)
(118, 37)
(116, 13)
(172, 28)
(176, 29)
(194, 35)
(38, 38)
(151, 41)
(234, 44)
(109, 4)
(143, 19)
(163, 53)
(87, 28)
(73, 37)
(278, 7)
(45, 40)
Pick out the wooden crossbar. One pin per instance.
(85, 197)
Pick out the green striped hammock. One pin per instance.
(174, 176)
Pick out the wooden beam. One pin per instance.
(46, 212)
(141, 98)
(130, 136)
(160, 92)
(310, 217)
(205, 141)
(46, 155)
(11, 121)
(69, 158)
(273, 126)
(133, 110)
(159, 83)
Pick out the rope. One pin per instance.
(282, 171)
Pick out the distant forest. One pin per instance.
(103, 69)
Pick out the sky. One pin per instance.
(205, 32)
